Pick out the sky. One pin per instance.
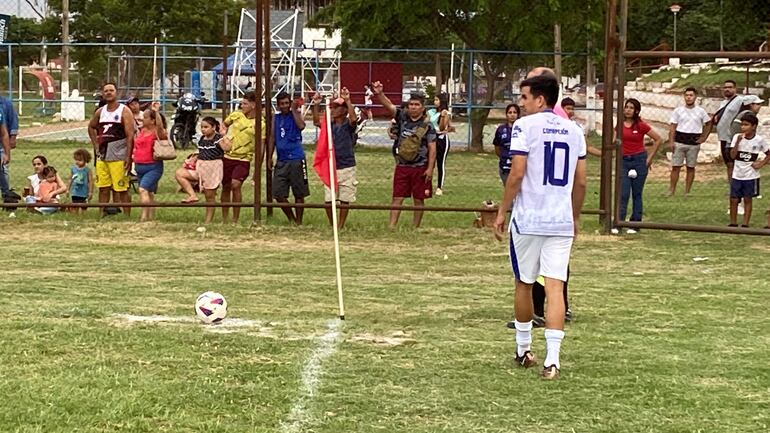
(22, 8)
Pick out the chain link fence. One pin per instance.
(689, 183)
(479, 86)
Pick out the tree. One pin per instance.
(491, 25)
(744, 24)
(189, 21)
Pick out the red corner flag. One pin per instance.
(324, 155)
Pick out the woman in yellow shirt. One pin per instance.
(237, 161)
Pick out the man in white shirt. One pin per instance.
(548, 183)
(690, 126)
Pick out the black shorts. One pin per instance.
(724, 146)
(79, 199)
(290, 174)
(744, 188)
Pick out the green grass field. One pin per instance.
(660, 342)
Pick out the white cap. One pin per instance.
(752, 99)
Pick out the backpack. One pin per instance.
(408, 148)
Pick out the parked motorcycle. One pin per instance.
(185, 118)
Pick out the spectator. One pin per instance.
(690, 126)
(237, 161)
(723, 120)
(290, 170)
(343, 129)
(135, 106)
(441, 120)
(148, 169)
(81, 184)
(187, 177)
(744, 150)
(39, 165)
(112, 132)
(211, 150)
(10, 126)
(568, 105)
(368, 101)
(415, 154)
(502, 140)
(751, 104)
(636, 160)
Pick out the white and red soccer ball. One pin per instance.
(211, 307)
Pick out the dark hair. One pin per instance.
(82, 155)
(637, 109)
(250, 96)
(281, 95)
(731, 82)
(415, 96)
(110, 83)
(42, 159)
(48, 171)
(545, 86)
(691, 89)
(750, 118)
(567, 102)
(443, 101)
(214, 122)
(518, 109)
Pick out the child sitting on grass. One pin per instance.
(745, 150)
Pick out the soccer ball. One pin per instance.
(211, 307)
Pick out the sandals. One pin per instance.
(190, 200)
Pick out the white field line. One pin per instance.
(311, 378)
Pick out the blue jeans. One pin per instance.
(5, 183)
(633, 187)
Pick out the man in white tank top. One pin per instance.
(112, 131)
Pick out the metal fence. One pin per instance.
(480, 85)
(688, 186)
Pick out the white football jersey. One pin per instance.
(552, 145)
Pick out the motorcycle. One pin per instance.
(185, 118)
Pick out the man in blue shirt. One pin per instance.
(290, 169)
(9, 128)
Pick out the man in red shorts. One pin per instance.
(415, 153)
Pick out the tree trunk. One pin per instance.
(479, 115)
(437, 59)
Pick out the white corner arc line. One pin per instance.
(311, 378)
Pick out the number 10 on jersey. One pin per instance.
(549, 165)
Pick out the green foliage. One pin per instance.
(744, 23)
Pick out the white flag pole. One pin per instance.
(155, 95)
(333, 188)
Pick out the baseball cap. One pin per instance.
(753, 99)
(132, 99)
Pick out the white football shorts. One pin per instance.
(533, 256)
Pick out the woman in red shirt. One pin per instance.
(636, 160)
(148, 169)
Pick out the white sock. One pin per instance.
(553, 339)
(523, 337)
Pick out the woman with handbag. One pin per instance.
(151, 147)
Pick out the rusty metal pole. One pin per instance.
(258, 118)
(224, 67)
(605, 188)
(621, 74)
(268, 108)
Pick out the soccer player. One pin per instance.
(548, 183)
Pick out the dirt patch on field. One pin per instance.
(397, 338)
(661, 171)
